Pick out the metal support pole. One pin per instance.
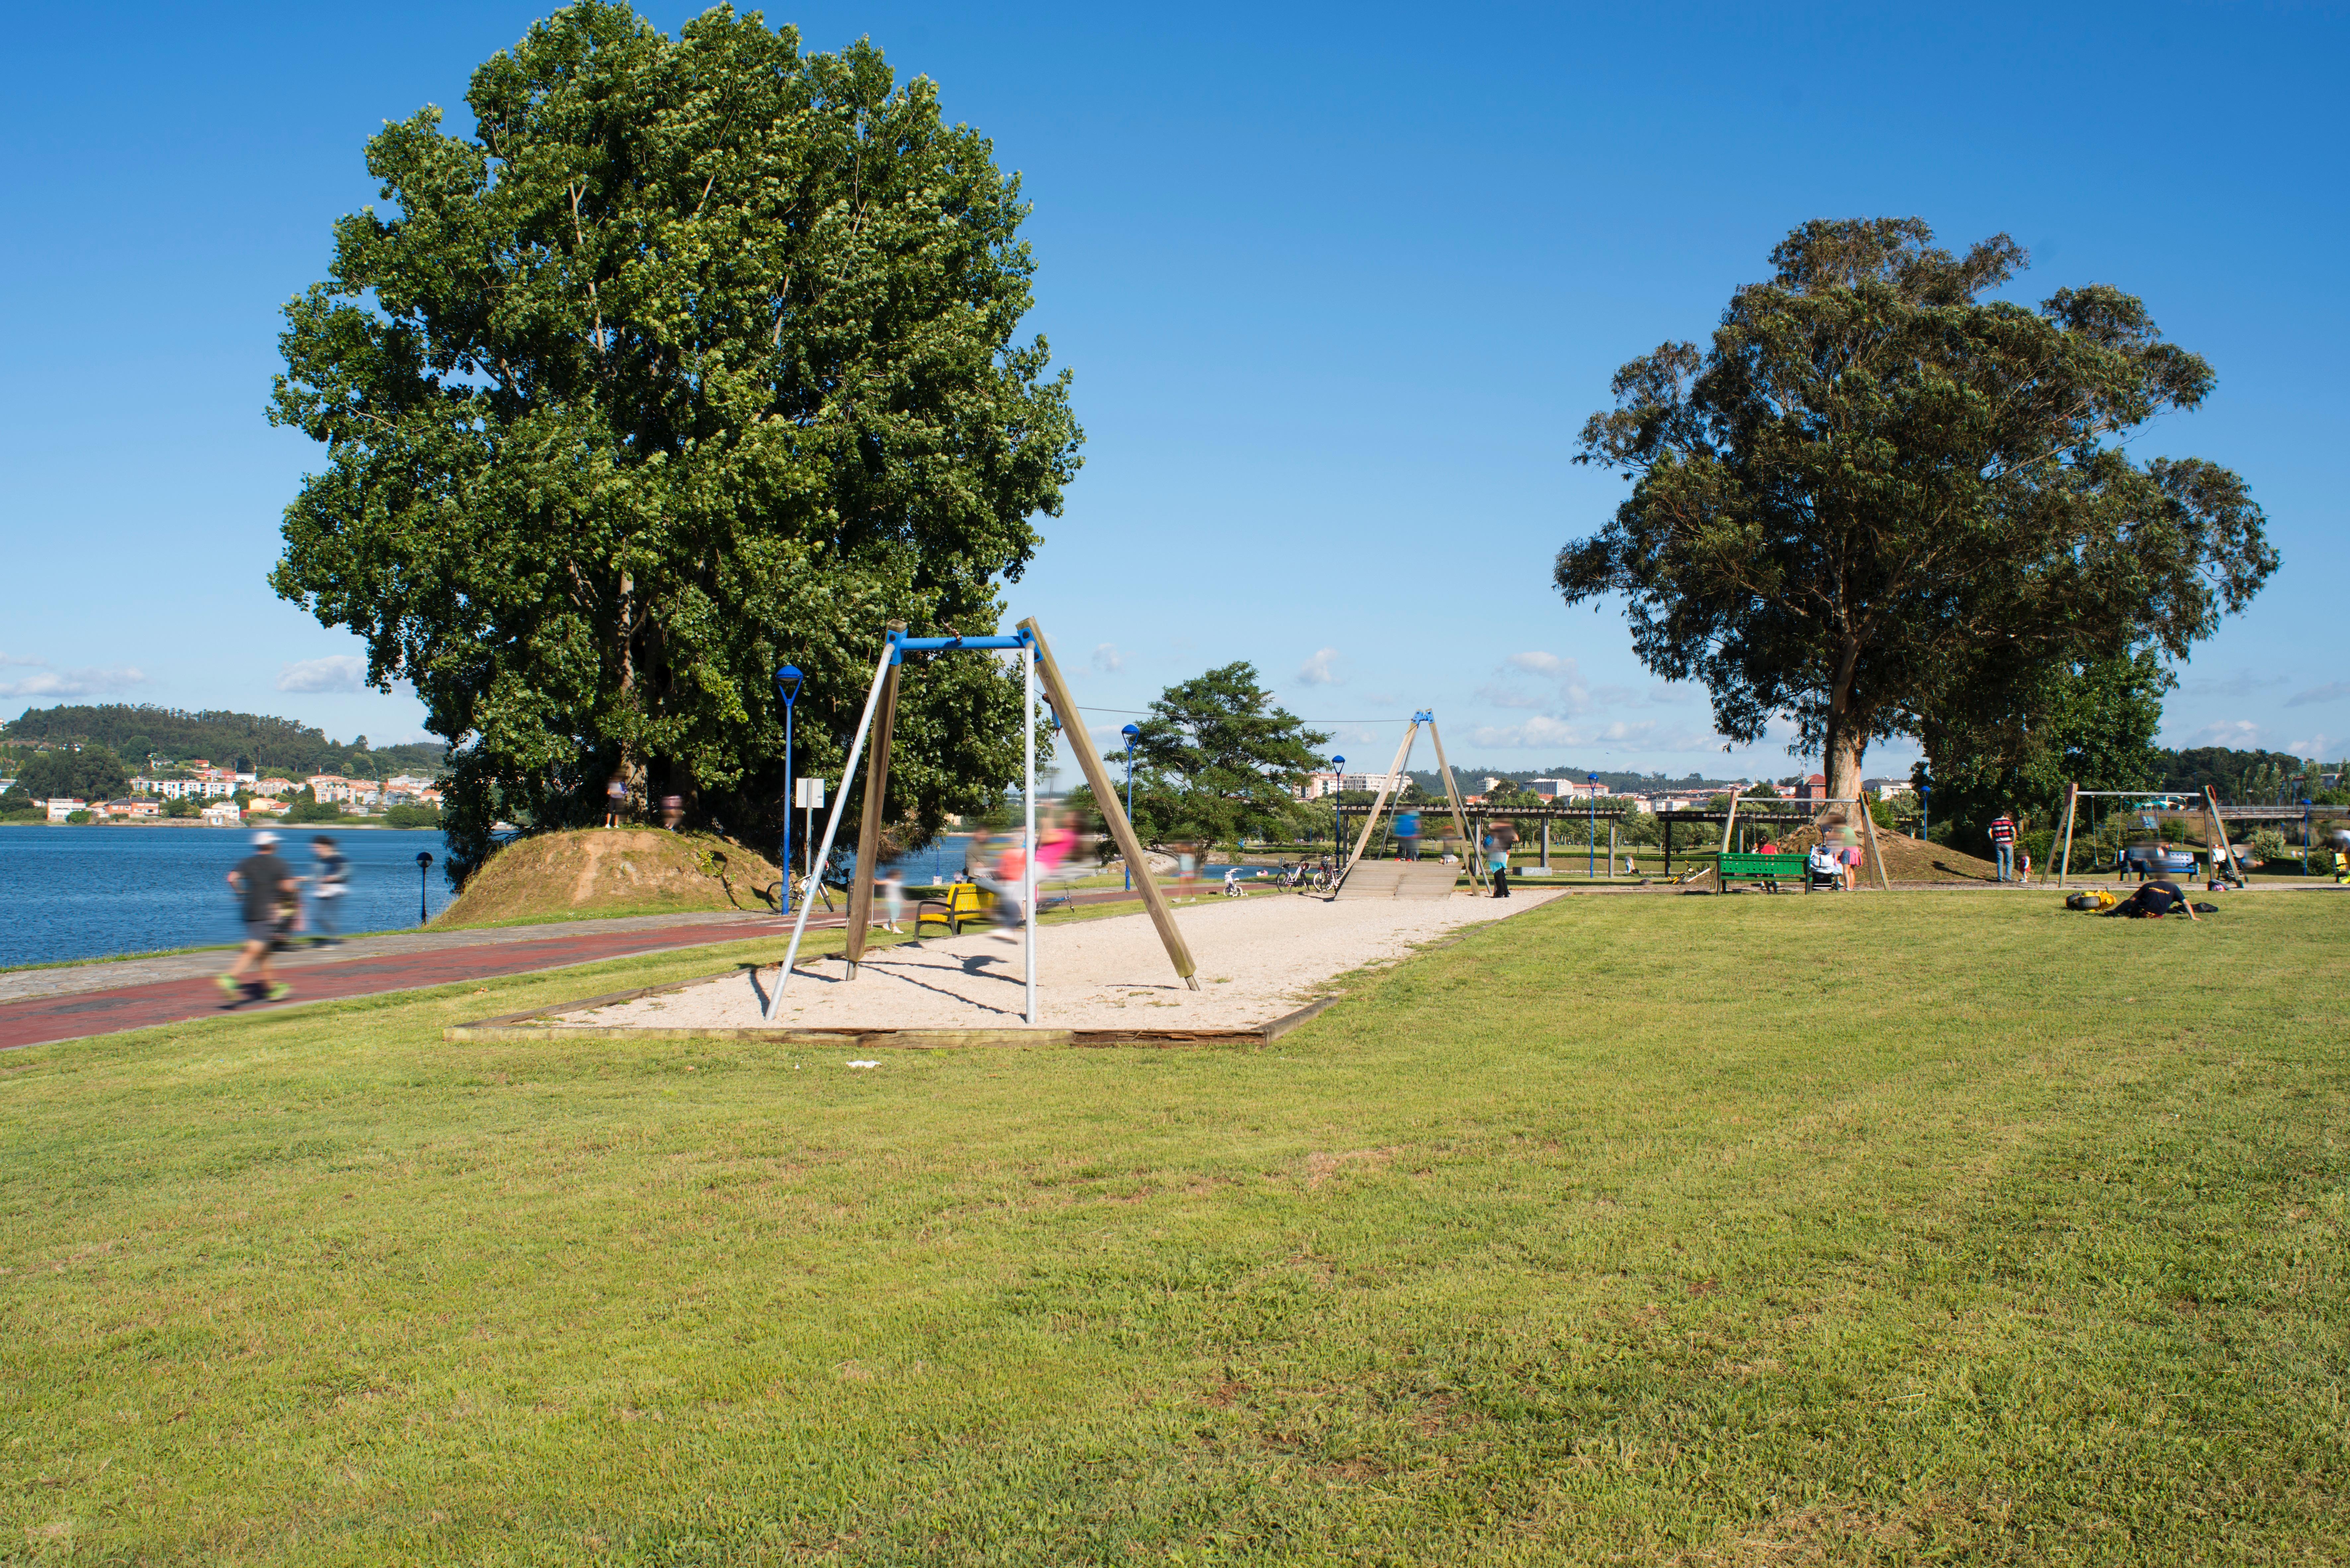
(784, 903)
(2071, 803)
(831, 828)
(1611, 850)
(1028, 784)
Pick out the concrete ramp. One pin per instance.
(1401, 879)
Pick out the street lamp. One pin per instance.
(1338, 799)
(423, 866)
(1130, 732)
(1926, 810)
(787, 687)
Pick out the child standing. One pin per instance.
(893, 898)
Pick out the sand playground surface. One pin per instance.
(1259, 958)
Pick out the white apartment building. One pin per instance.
(62, 806)
(329, 786)
(272, 788)
(223, 814)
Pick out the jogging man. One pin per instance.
(2002, 844)
(263, 884)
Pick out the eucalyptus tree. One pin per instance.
(692, 358)
(1884, 500)
(1217, 756)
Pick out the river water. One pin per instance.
(88, 892)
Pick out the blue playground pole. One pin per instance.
(787, 687)
(1591, 850)
(1129, 732)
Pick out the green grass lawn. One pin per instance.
(1901, 1229)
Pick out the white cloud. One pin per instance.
(2319, 747)
(1539, 663)
(2242, 683)
(1317, 670)
(335, 672)
(1107, 659)
(2242, 733)
(45, 682)
(2332, 691)
(1546, 734)
(1508, 696)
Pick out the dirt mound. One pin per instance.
(614, 871)
(1909, 859)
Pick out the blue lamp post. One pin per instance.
(787, 687)
(1338, 799)
(1130, 732)
(1926, 810)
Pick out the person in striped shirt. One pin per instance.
(2002, 844)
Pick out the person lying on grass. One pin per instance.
(2154, 899)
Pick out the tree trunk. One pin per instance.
(1847, 734)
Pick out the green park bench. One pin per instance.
(1768, 869)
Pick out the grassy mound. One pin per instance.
(1909, 859)
(619, 871)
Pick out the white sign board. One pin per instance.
(807, 794)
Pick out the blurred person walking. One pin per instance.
(329, 884)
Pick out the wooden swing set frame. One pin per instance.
(878, 724)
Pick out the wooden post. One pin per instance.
(1106, 798)
(868, 819)
(1403, 756)
(2071, 802)
(1459, 815)
(1869, 826)
(1731, 820)
(2222, 851)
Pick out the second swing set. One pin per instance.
(876, 727)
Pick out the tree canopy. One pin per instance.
(247, 741)
(1215, 759)
(696, 358)
(90, 773)
(1883, 503)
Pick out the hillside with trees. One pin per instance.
(246, 741)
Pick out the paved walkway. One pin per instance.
(72, 1001)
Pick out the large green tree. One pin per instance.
(1883, 496)
(2092, 725)
(82, 773)
(1216, 758)
(694, 357)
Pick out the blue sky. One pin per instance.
(1338, 286)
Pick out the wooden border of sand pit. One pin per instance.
(539, 1023)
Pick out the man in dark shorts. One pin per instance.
(2152, 901)
(262, 885)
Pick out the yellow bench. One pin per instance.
(965, 902)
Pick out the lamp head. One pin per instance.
(1129, 731)
(787, 682)
(423, 859)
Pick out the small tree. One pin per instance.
(1881, 497)
(1216, 759)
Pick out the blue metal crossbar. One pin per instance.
(901, 645)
